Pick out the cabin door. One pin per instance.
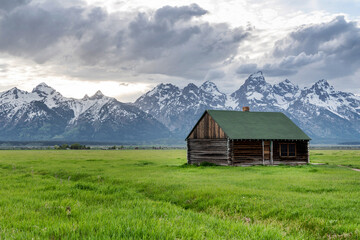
(266, 154)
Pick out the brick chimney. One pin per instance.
(246, 109)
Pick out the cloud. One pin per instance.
(327, 50)
(175, 14)
(39, 33)
(4, 68)
(332, 47)
(214, 74)
(247, 68)
(8, 5)
(151, 36)
(166, 41)
(270, 70)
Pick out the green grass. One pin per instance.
(152, 194)
(350, 158)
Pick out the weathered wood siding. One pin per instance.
(267, 152)
(207, 128)
(246, 152)
(301, 151)
(207, 150)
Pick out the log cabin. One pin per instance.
(244, 138)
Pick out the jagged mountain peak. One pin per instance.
(166, 86)
(158, 96)
(97, 95)
(286, 82)
(191, 86)
(43, 89)
(286, 86)
(256, 79)
(19, 95)
(14, 91)
(163, 88)
(322, 83)
(191, 89)
(257, 75)
(209, 86)
(322, 88)
(42, 86)
(86, 97)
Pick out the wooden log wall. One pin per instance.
(267, 150)
(247, 152)
(301, 150)
(207, 150)
(207, 128)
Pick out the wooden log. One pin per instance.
(308, 155)
(263, 154)
(188, 152)
(271, 153)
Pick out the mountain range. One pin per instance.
(326, 115)
(167, 112)
(44, 114)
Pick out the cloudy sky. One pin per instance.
(124, 48)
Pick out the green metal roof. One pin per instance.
(257, 125)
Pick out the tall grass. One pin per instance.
(151, 194)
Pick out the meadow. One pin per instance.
(153, 194)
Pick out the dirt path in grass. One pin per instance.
(354, 169)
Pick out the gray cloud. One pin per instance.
(206, 49)
(332, 47)
(175, 14)
(8, 5)
(271, 70)
(36, 32)
(328, 50)
(176, 46)
(214, 74)
(150, 37)
(247, 68)
(166, 41)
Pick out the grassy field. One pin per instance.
(350, 158)
(151, 194)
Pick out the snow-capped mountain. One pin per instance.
(262, 96)
(325, 114)
(178, 109)
(44, 114)
(169, 112)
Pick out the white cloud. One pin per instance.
(98, 47)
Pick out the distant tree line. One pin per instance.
(76, 146)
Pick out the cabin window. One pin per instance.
(287, 150)
(291, 150)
